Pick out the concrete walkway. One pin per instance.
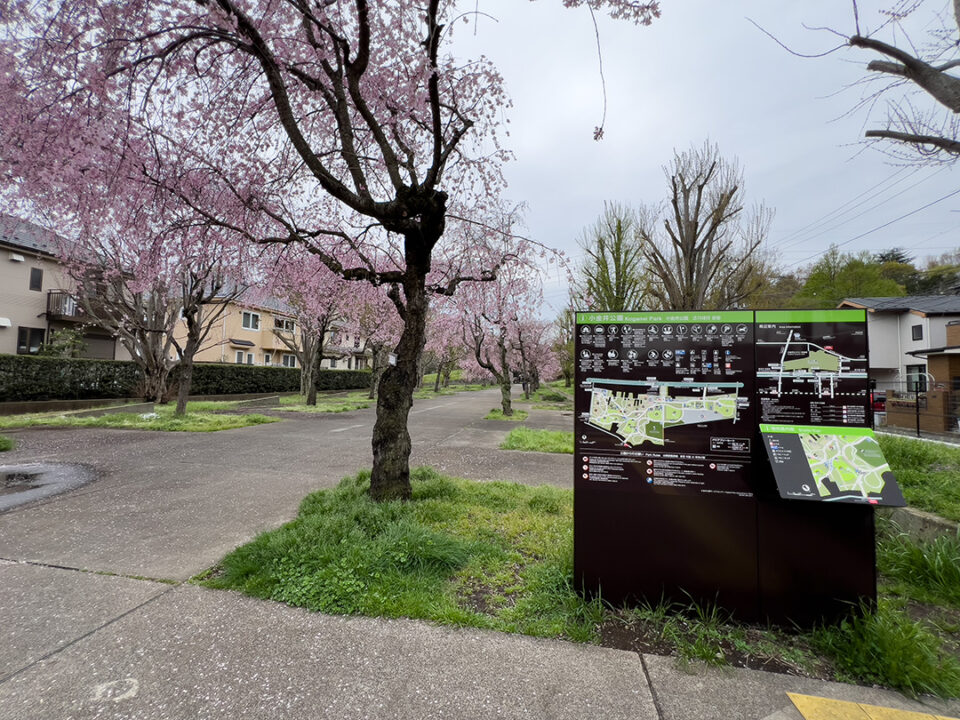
(96, 623)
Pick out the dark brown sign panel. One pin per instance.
(674, 500)
(812, 367)
(664, 436)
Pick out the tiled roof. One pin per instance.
(26, 235)
(926, 304)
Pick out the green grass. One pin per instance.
(499, 556)
(162, 419)
(328, 403)
(928, 473)
(427, 392)
(497, 414)
(888, 648)
(924, 572)
(5, 443)
(552, 441)
(488, 555)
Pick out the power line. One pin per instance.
(871, 208)
(880, 227)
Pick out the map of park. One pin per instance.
(845, 464)
(637, 418)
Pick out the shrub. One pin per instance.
(28, 377)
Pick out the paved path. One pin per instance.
(96, 623)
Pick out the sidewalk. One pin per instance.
(79, 642)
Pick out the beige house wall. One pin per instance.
(20, 305)
(26, 308)
(228, 336)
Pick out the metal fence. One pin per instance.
(923, 407)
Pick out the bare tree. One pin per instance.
(926, 71)
(704, 255)
(612, 275)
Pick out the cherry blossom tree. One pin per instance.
(372, 318)
(318, 299)
(444, 341)
(342, 126)
(490, 314)
(534, 351)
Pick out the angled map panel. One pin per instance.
(812, 367)
(664, 401)
(830, 464)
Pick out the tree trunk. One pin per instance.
(312, 380)
(310, 368)
(186, 376)
(390, 477)
(378, 363)
(505, 395)
(504, 377)
(447, 369)
(436, 384)
(154, 384)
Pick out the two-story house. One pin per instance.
(250, 333)
(35, 298)
(897, 328)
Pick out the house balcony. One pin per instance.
(63, 306)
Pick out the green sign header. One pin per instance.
(671, 316)
(817, 430)
(810, 316)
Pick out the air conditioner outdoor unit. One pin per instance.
(16, 257)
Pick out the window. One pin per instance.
(916, 331)
(249, 358)
(29, 340)
(361, 363)
(36, 279)
(289, 361)
(239, 357)
(333, 363)
(251, 320)
(916, 378)
(356, 342)
(349, 363)
(267, 359)
(285, 324)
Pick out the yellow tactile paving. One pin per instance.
(817, 708)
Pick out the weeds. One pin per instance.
(5, 443)
(551, 441)
(334, 403)
(497, 414)
(926, 472)
(494, 555)
(927, 572)
(162, 419)
(888, 648)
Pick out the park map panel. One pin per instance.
(664, 401)
(812, 367)
(830, 464)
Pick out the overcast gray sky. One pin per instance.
(703, 71)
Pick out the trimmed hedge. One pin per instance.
(217, 379)
(28, 377)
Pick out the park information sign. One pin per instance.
(673, 497)
(664, 400)
(812, 367)
(831, 464)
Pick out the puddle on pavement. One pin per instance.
(20, 484)
(14, 482)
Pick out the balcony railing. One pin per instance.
(61, 305)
